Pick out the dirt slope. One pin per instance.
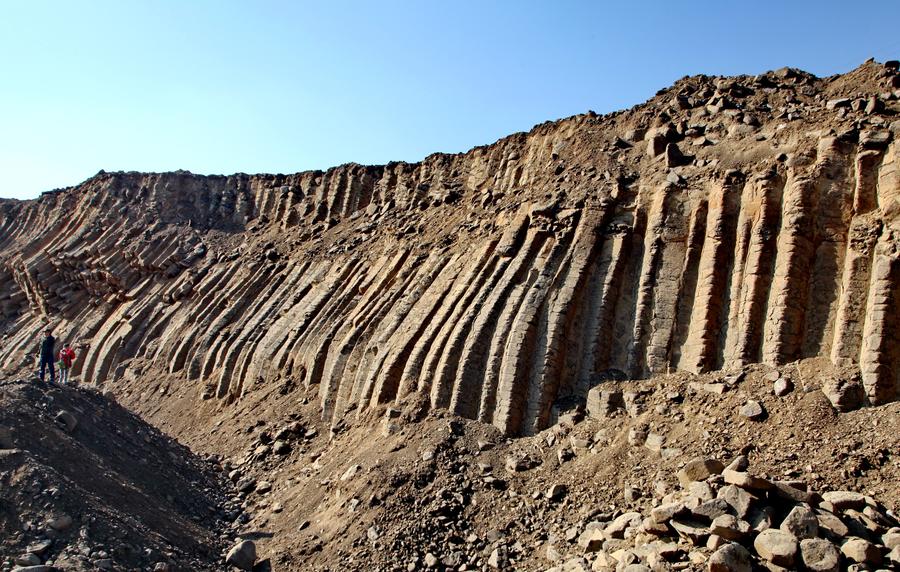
(112, 492)
(430, 483)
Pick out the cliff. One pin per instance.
(727, 221)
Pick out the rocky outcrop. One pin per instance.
(757, 223)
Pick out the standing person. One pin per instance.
(48, 354)
(66, 359)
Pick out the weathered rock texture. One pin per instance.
(726, 221)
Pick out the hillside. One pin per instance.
(87, 485)
(731, 243)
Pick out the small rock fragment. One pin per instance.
(699, 470)
(782, 387)
(753, 410)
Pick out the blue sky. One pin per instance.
(277, 86)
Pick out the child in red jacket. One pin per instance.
(66, 359)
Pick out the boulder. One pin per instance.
(635, 135)
(861, 551)
(891, 539)
(242, 555)
(801, 522)
(61, 523)
(738, 499)
(658, 528)
(782, 386)
(830, 526)
(691, 530)
(665, 512)
(791, 492)
(894, 557)
(556, 492)
(656, 145)
(746, 480)
(497, 559)
(40, 547)
(351, 472)
(711, 509)
(701, 490)
(674, 157)
(655, 442)
(66, 420)
(616, 528)
(731, 557)
(739, 463)
(604, 403)
(699, 470)
(6, 440)
(515, 464)
(591, 540)
(843, 500)
(819, 555)
(762, 518)
(28, 559)
(637, 436)
(777, 547)
(729, 527)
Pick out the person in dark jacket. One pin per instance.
(48, 355)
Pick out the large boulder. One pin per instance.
(819, 555)
(242, 555)
(801, 522)
(777, 547)
(731, 557)
(861, 551)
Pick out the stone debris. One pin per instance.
(93, 487)
(792, 536)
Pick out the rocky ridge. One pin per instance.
(638, 298)
(725, 222)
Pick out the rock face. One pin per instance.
(759, 222)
